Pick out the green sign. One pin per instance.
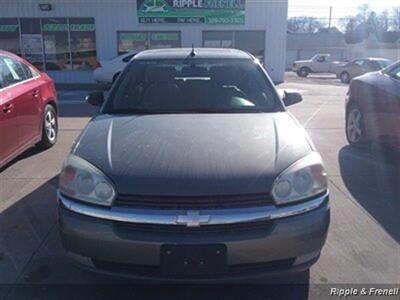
(168, 36)
(55, 27)
(82, 27)
(72, 27)
(8, 28)
(133, 37)
(191, 11)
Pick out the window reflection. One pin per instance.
(83, 43)
(248, 40)
(9, 35)
(31, 41)
(129, 41)
(56, 46)
(51, 44)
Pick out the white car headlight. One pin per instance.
(82, 181)
(304, 179)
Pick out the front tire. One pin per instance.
(345, 77)
(355, 129)
(303, 72)
(50, 128)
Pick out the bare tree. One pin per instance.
(395, 18)
(304, 24)
(383, 21)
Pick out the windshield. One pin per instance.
(385, 63)
(193, 85)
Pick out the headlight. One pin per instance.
(82, 181)
(304, 179)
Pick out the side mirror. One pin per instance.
(290, 98)
(95, 98)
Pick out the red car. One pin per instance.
(373, 108)
(28, 107)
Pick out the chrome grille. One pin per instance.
(180, 202)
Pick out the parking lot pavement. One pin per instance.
(362, 246)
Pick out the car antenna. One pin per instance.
(193, 53)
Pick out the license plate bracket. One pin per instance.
(181, 260)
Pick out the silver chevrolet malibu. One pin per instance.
(193, 170)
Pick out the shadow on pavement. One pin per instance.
(373, 179)
(28, 153)
(72, 103)
(76, 110)
(162, 292)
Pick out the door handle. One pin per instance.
(7, 108)
(35, 93)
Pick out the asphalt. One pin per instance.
(362, 246)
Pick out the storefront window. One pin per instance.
(56, 46)
(83, 43)
(31, 41)
(250, 41)
(160, 40)
(218, 39)
(129, 41)
(9, 35)
(62, 43)
(132, 41)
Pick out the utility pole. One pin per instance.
(330, 16)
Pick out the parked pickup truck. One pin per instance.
(320, 63)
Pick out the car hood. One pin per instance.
(379, 82)
(193, 154)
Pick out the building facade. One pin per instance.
(67, 38)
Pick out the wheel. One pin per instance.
(50, 128)
(345, 77)
(303, 72)
(355, 130)
(115, 77)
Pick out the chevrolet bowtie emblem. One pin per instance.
(192, 219)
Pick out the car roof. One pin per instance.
(182, 53)
(3, 52)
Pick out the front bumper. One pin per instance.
(254, 249)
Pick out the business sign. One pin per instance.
(8, 28)
(191, 11)
(64, 27)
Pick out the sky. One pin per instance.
(341, 8)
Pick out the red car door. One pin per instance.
(8, 117)
(27, 102)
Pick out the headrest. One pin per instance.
(226, 75)
(160, 74)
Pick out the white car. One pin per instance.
(108, 71)
(320, 63)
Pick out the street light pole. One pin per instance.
(330, 16)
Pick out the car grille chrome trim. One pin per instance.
(216, 216)
(193, 203)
